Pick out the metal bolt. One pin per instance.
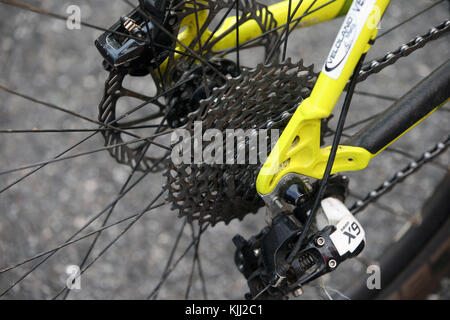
(332, 263)
(320, 241)
(298, 292)
(172, 20)
(277, 202)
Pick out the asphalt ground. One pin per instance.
(41, 58)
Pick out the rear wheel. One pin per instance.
(99, 202)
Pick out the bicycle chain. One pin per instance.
(376, 66)
(404, 50)
(401, 175)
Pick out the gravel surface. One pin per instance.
(41, 58)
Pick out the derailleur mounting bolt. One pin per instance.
(298, 292)
(332, 263)
(320, 241)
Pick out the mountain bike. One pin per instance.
(187, 75)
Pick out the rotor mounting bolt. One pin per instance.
(332, 263)
(320, 241)
(172, 20)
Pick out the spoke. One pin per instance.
(165, 276)
(286, 31)
(201, 275)
(409, 19)
(171, 255)
(117, 238)
(174, 38)
(47, 104)
(55, 107)
(35, 130)
(152, 43)
(306, 12)
(44, 12)
(90, 136)
(109, 124)
(75, 240)
(184, 54)
(70, 239)
(199, 35)
(213, 33)
(237, 36)
(287, 28)
(194, 260)
(277, 28)
(128, 113)
(141, 120)
(111, 210)
(148, 139)
(42, 166)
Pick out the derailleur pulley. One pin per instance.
(335, 237)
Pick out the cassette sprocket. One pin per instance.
(261, 98)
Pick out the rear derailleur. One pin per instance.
(334, 237)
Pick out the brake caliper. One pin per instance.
(337, 236)
(134, 42)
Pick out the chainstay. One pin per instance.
(404, 50)
(401, 175)
(371, 67)
(376, 66)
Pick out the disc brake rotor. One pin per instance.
(161, 106)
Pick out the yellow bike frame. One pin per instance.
(298, 149)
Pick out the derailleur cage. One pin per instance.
(336, 237)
